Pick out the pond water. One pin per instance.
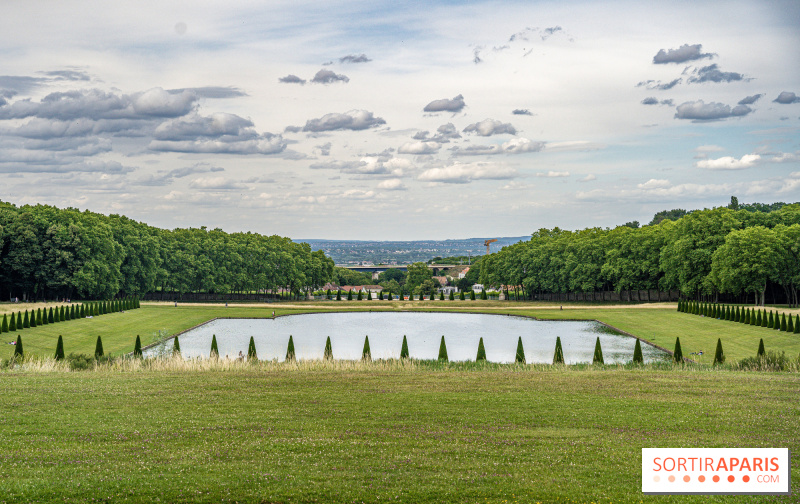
(462, 332)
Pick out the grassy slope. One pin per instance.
(657, 325)
(405, 436)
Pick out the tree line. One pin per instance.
(50, 253)
(703, 254)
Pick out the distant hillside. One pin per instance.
(403, 252)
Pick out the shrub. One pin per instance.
(61, 316)
(472, 295)
(214, 350)
(339, 295)
(771, 322)
(404, 348)
(770, 361)
(797, 324)
(680, 305)
(33, 318)
(360, 297)
(328, 349)
(638, 358)
(176, 346)
(13, 325)
(411, 295)
(369, 296)
(366, 355)
(50, 319)
(380, 296)
(758, 318)
(520, 357)
(764, 322)
(80, 362)
(736, 315)
(719, 356)
(59, 349)
(18, 352)
(251, 350)
(747, 317)
(452, 297)
(350, 295)
(790, 325)
(137, 348)
(39, 317)
(782, 325)
(98, 348)
(328, 294)
(598, 353)
(558, 355)
(26, 324)
(481, 352)
(677, 354)
(4, 325)
(760, 352)
(442, 351)
(290, 357)
(461, 296)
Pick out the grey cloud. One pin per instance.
(355, 120)
(71, 146)
(445, 105)
(215, 125)
(166, 178)
(352, 58)
(324, 149)
(549, 32)
(750, 99)
(419, 148)
(266, 143)
(489, 127)
(71, 75)
(327, 77)
(476, 55)
(786, 97)
(682, 54)
(700, 111)
(513, 146)
(445, 133)
(477, 150)
(51, 128)
(522, 112)
(292, 79)
(712, 73)
(85, 166)
(651, 84)
(21, 83)
(292, 129)
(212, 91)
(650, 100)
(215, 184)
(97, 104)
(421, 135)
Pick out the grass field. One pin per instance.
(659, 324)
(338, 433)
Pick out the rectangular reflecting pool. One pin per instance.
(462, 331)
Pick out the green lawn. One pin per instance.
(270, 434)
(657, 325)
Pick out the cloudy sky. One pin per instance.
(398, 120)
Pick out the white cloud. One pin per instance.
(553, 174)
(729, 163)
(489, 127)
(462, 173)
(587, 178)
(522, 145)
(419, 148)
(654, 184)
(394, 184)
(217, 183)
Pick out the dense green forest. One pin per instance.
(703, 253)
(48, 253)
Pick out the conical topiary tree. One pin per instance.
(50, 319)
(19, 321)
(4, 325)
(411, 295)
(747, 317)
(290, 357)
(770, 323)
(339, 295)
(39, 318)
(484, 296)
(368, 295)
(764, 322)
(598, 353)
(404, 348)
(736, 314)
(137, 348)
(12, 326)
(62, 315)
(797, 324)
(19, 354)
(638, 358)
(214, 349)
(519, 358)
(26, 324)
(441, 295)
(757, 319)
(558, 355)
(251, 350)
(443, 351)
(328, 349)
(677, 355)
(360, 297)
(719, 355)
(461, 296)
(366, 354)
(471, 295)
(451, 297)
(680, 305)
(350, 295)
(481, 352)
(60, 348)
(761, 351)
(782, 326)
(33, 319)
(389, 296)
(789, 324)
(176, 347)
(380, 296)
(98, 348)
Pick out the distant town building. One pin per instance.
(477, 287)
(463, 273)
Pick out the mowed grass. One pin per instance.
(658, 325)
(271, 433)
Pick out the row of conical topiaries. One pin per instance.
(361, 295)
(366, 355)
(743, 315)
(42, 316)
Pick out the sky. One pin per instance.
(398, 120)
